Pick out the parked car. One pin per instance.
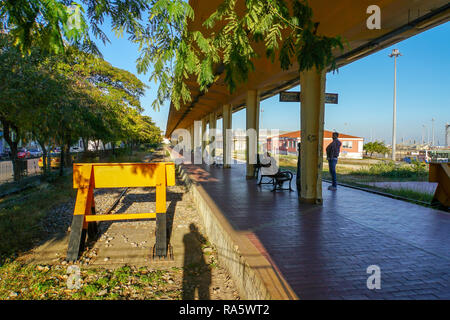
(6, 155)
(23, 154)
(75, 149)
(53, 158)
(35, 153)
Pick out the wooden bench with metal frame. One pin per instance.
(277, 179)
(88, 176)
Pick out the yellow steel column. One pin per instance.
(252, 120)
(212, 127)
(191, 136)
(204, 122)
(197, 127)
(191, 133)
(226, 138)
(312, 84)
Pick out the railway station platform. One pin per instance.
(324, 251)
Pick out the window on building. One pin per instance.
(347, 144)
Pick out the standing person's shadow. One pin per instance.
(196, 273)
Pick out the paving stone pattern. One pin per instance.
(324, 251)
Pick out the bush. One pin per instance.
(390, 169)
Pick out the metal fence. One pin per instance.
(27, 167)
(30, 167)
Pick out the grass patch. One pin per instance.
(20, 213)
(388, 169)
(408, 194)
(34, 282)
(137, 156)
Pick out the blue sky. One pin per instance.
(365, 90)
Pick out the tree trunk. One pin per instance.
(44, 156)
(68, 157)
(7, 126)
(61, 161)
(85, 144)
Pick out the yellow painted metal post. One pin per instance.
(161, 217)
(83, 179)
(90, 198)
(197, 141)
(252, 122)
(161, 188)
(312, 84)
(192, 148)
(226, 135)
(203, 134)
(212, 138)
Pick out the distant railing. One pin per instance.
(27, 167)
(30, 167)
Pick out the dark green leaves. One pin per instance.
(290, 35)
(61, 97)
(169, 51)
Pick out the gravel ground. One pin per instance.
(193, 270)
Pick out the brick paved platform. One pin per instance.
(323, 251)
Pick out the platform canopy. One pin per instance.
(400, 19)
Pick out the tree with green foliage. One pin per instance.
(173, 52)
(62, 97)
(178, 54)
(375, 147)
(22, 86)
(114, 91)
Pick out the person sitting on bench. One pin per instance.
(269, 165)
(269, 169)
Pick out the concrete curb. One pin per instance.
(255, 275)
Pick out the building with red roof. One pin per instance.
(352, 146)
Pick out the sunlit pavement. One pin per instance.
(324, 251)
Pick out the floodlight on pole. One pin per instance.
(261, 119)
(423, 134)
(395, 53)
(432, 131)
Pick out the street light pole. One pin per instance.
(432, 131)
(261, 118)
(423, 134)
(395, 53)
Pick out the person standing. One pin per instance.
(333, 150)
